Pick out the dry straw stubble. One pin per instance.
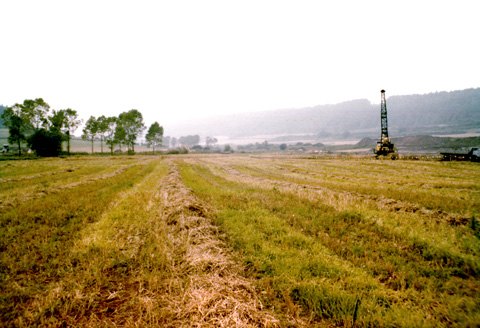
(214, 292)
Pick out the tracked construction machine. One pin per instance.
(385, 147)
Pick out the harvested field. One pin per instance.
(239, 241)
(215, 293)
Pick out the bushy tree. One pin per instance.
(17, 127)
(120, 136)
(35, 113)
(62, 122)
(31, 122)
(132, 122)
(154, 135)
(56, 121)
(46, 142)
(23, 119)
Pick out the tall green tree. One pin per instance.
(35, 113)
(64, 122)
(71, 123)
(120, 136)
(17, 126)
(154, 135)
(23, 119)
(111, 123)
(102, 125)
(56, 121)
(132, 122)
(90, 130)
(48, 142)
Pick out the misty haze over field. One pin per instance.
(439, 113)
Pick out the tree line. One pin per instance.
(122, 130)
(44, 131)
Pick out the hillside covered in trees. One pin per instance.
(434, 113)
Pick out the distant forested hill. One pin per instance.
(433, 113)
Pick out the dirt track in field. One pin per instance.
(214, 293)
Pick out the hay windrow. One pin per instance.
(39, 175)
(214, 293)
(52, 190)
(390, 204)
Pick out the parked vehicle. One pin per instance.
(472, 155)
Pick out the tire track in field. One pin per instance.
(215, 294)
(390, 204)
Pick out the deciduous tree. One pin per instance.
(35, 112)
(154, 135)
(46, 142)
(132, 122)
(56, 121)
(90, 130)
(102, 127)
(17, 127)
(111, 123)
(71, 123)
(120, 135)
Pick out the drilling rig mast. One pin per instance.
(384, 146)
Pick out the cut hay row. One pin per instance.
(215, 292)
(429, 270)
(38, 175)
(390, 204)
(15, 201)
(48, 278)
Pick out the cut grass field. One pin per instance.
(222, 241)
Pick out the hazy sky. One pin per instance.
(174, 60)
